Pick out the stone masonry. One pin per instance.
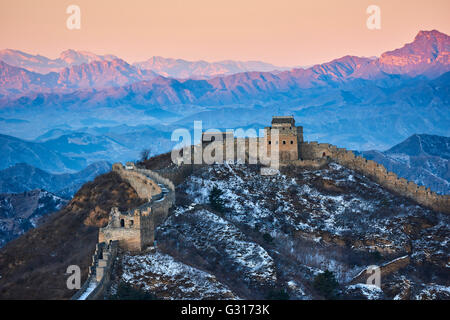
(134, 230)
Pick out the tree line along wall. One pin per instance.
(377, 172)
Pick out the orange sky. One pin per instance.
(283, 32)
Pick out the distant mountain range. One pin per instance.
(354, 102)
(422, 158)
(14, 150)
(121, 83)
(98, 74)
(67, 151)
(41, 64)
(183, 69)
(23, 177)
(167, 67)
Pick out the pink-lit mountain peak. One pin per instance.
(102, 73)
(180, 68)
(429, 48)
(74, 57)
(427, 55)
(433, 35)
(41, 64)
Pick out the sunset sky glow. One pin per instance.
(282, 32)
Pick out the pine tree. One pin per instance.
(326, 284)
(215, 199)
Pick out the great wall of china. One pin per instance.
(317, 155)
(134, 230)
(376, 172)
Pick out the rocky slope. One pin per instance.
(276, 234)
(428, 54)
(24, 211)
(33, 266)
(270, 238)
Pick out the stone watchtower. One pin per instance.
(290, 137)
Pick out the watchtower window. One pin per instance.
(131, 223)
(292, 142)
(284, 142)
(270, 142)
(122, 223)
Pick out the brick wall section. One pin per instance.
(386, 269)
(314, 164)
(314, 154)
(376, 172)
(99, 272)
(134, 230)
(177, 174)
(145, 188)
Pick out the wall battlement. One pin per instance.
(377, 172)
(99, 275)
(145, 188)
(385, 270)
(134, 229)
(313, 154)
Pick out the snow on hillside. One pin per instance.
(277, 233)
(252, 261)
(312, 202)
(170, 279)
(20, 212)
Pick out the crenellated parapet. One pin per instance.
(377, 172)
(134, 229)
(99, 275)
(144, 187)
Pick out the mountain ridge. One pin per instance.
(15, 150)
(168, 67)
(44, 65)
(427, 55)
(422, 158)
(23, 177)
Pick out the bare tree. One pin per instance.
(145, 155)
